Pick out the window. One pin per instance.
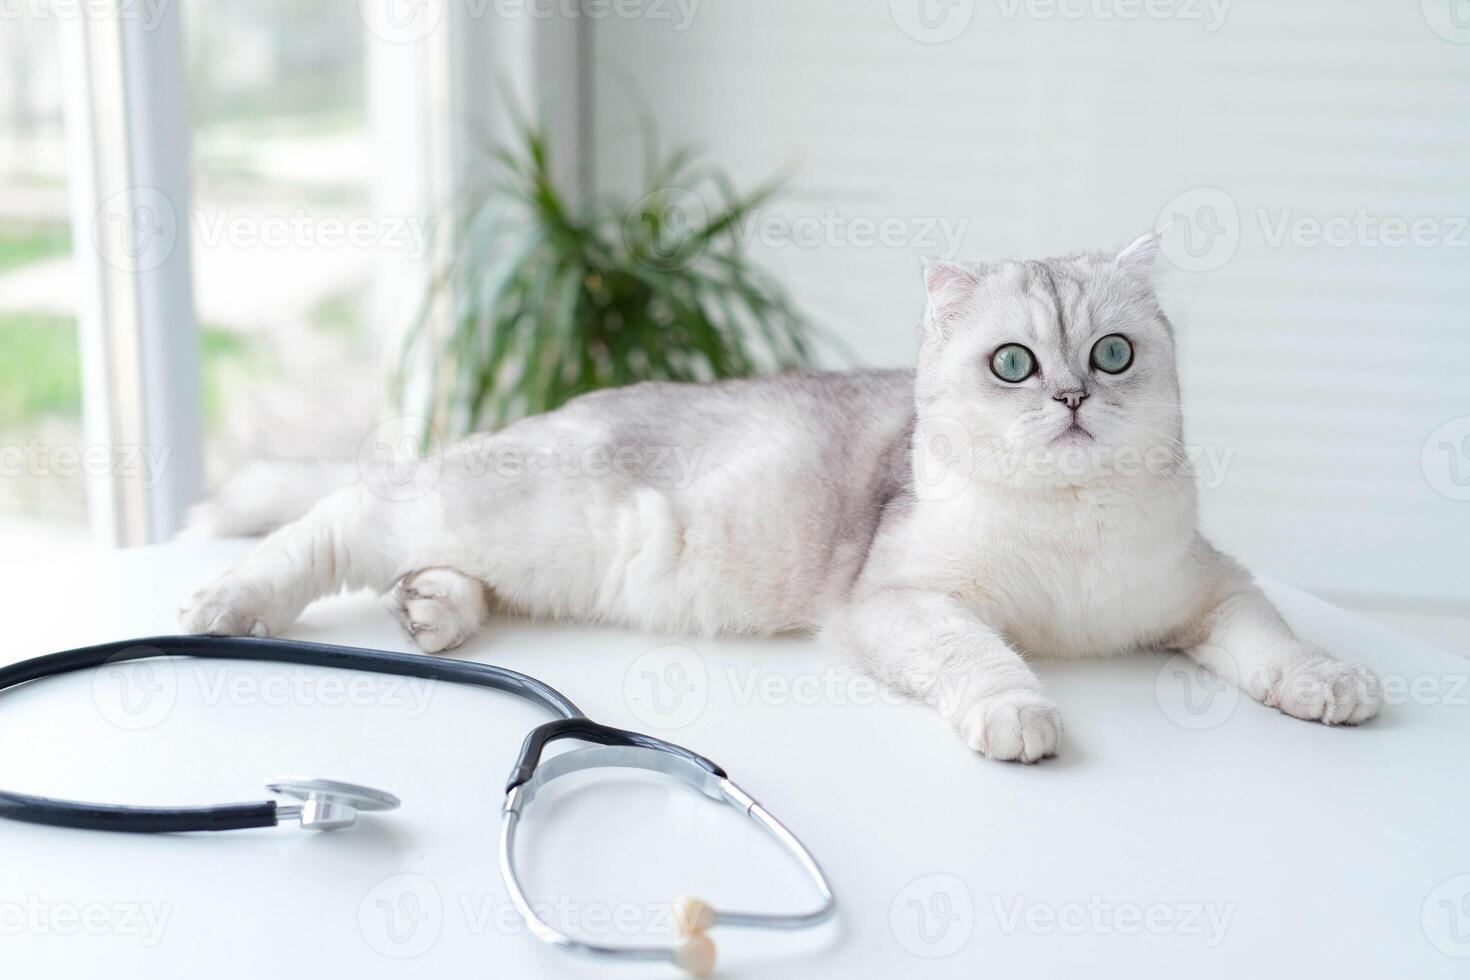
(43, 487)
(284, 239)
(299, 154)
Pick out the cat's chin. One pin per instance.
(1073, 435)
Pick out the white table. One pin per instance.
(1218, 840)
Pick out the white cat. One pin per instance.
(1023, 493)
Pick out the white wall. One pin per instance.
(1323, 370)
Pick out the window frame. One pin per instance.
(129, 145)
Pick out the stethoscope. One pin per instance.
(323, 804)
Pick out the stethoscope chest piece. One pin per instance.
(327, 804)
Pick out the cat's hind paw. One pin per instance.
(1016, 726)
(439, 608)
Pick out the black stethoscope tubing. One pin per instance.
(570, 721)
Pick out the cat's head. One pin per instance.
(1052, 372)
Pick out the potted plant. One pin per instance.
(545, 299)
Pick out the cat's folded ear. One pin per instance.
(1139, 259)
(948, 287)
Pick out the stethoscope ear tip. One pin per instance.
(694, 952)
(695, 955)
(328, 804)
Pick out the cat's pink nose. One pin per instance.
(1074, 399)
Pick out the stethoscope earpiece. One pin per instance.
(327, 804)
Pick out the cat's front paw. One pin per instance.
(228, 607)
(1320, 688)
(1015, 726)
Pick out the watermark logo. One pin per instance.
(1450, 19)
(39, 460)
(141, 694)
(399, 459)
(35, 917)
(135, 230)
(408, 233)
(410, 21)
(667, 687)
(401, 916)
(941, 236)
(136, 694)
(933, 916)
(679, 13)
(1209, 13)
(1426, 690)
(401, 21)
(1192, 695)
(664, 229)
(828, 687)
(1206, 921)
(674, 466)
(1199, 229)
(1445, 459)
(672, 228)
(943, 459)
(587, 920)
(299, 687)
(149, 12)
(1363, 229)
(932, 21)
(1446, 917)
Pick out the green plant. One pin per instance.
(41, 369)
(22, 244)
(547, 300)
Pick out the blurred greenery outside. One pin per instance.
(40, 375)
(23, 244)
(40, 372)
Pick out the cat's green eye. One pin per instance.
(1113, 354)
(1013, 363)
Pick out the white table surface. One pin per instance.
(1210, 839)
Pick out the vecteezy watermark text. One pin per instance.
(679, 13)
(214, 227)
(220, 684)
(410, 21)
(150, 12)
(1202, 228)
(141, 692)
(137, 229)
(34, 917)
(399, 460)
(404, 915)
(1364, 229)
(1207, 921)
(939, 235)
(947, 459)
(39, 460)
(1210, 13)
